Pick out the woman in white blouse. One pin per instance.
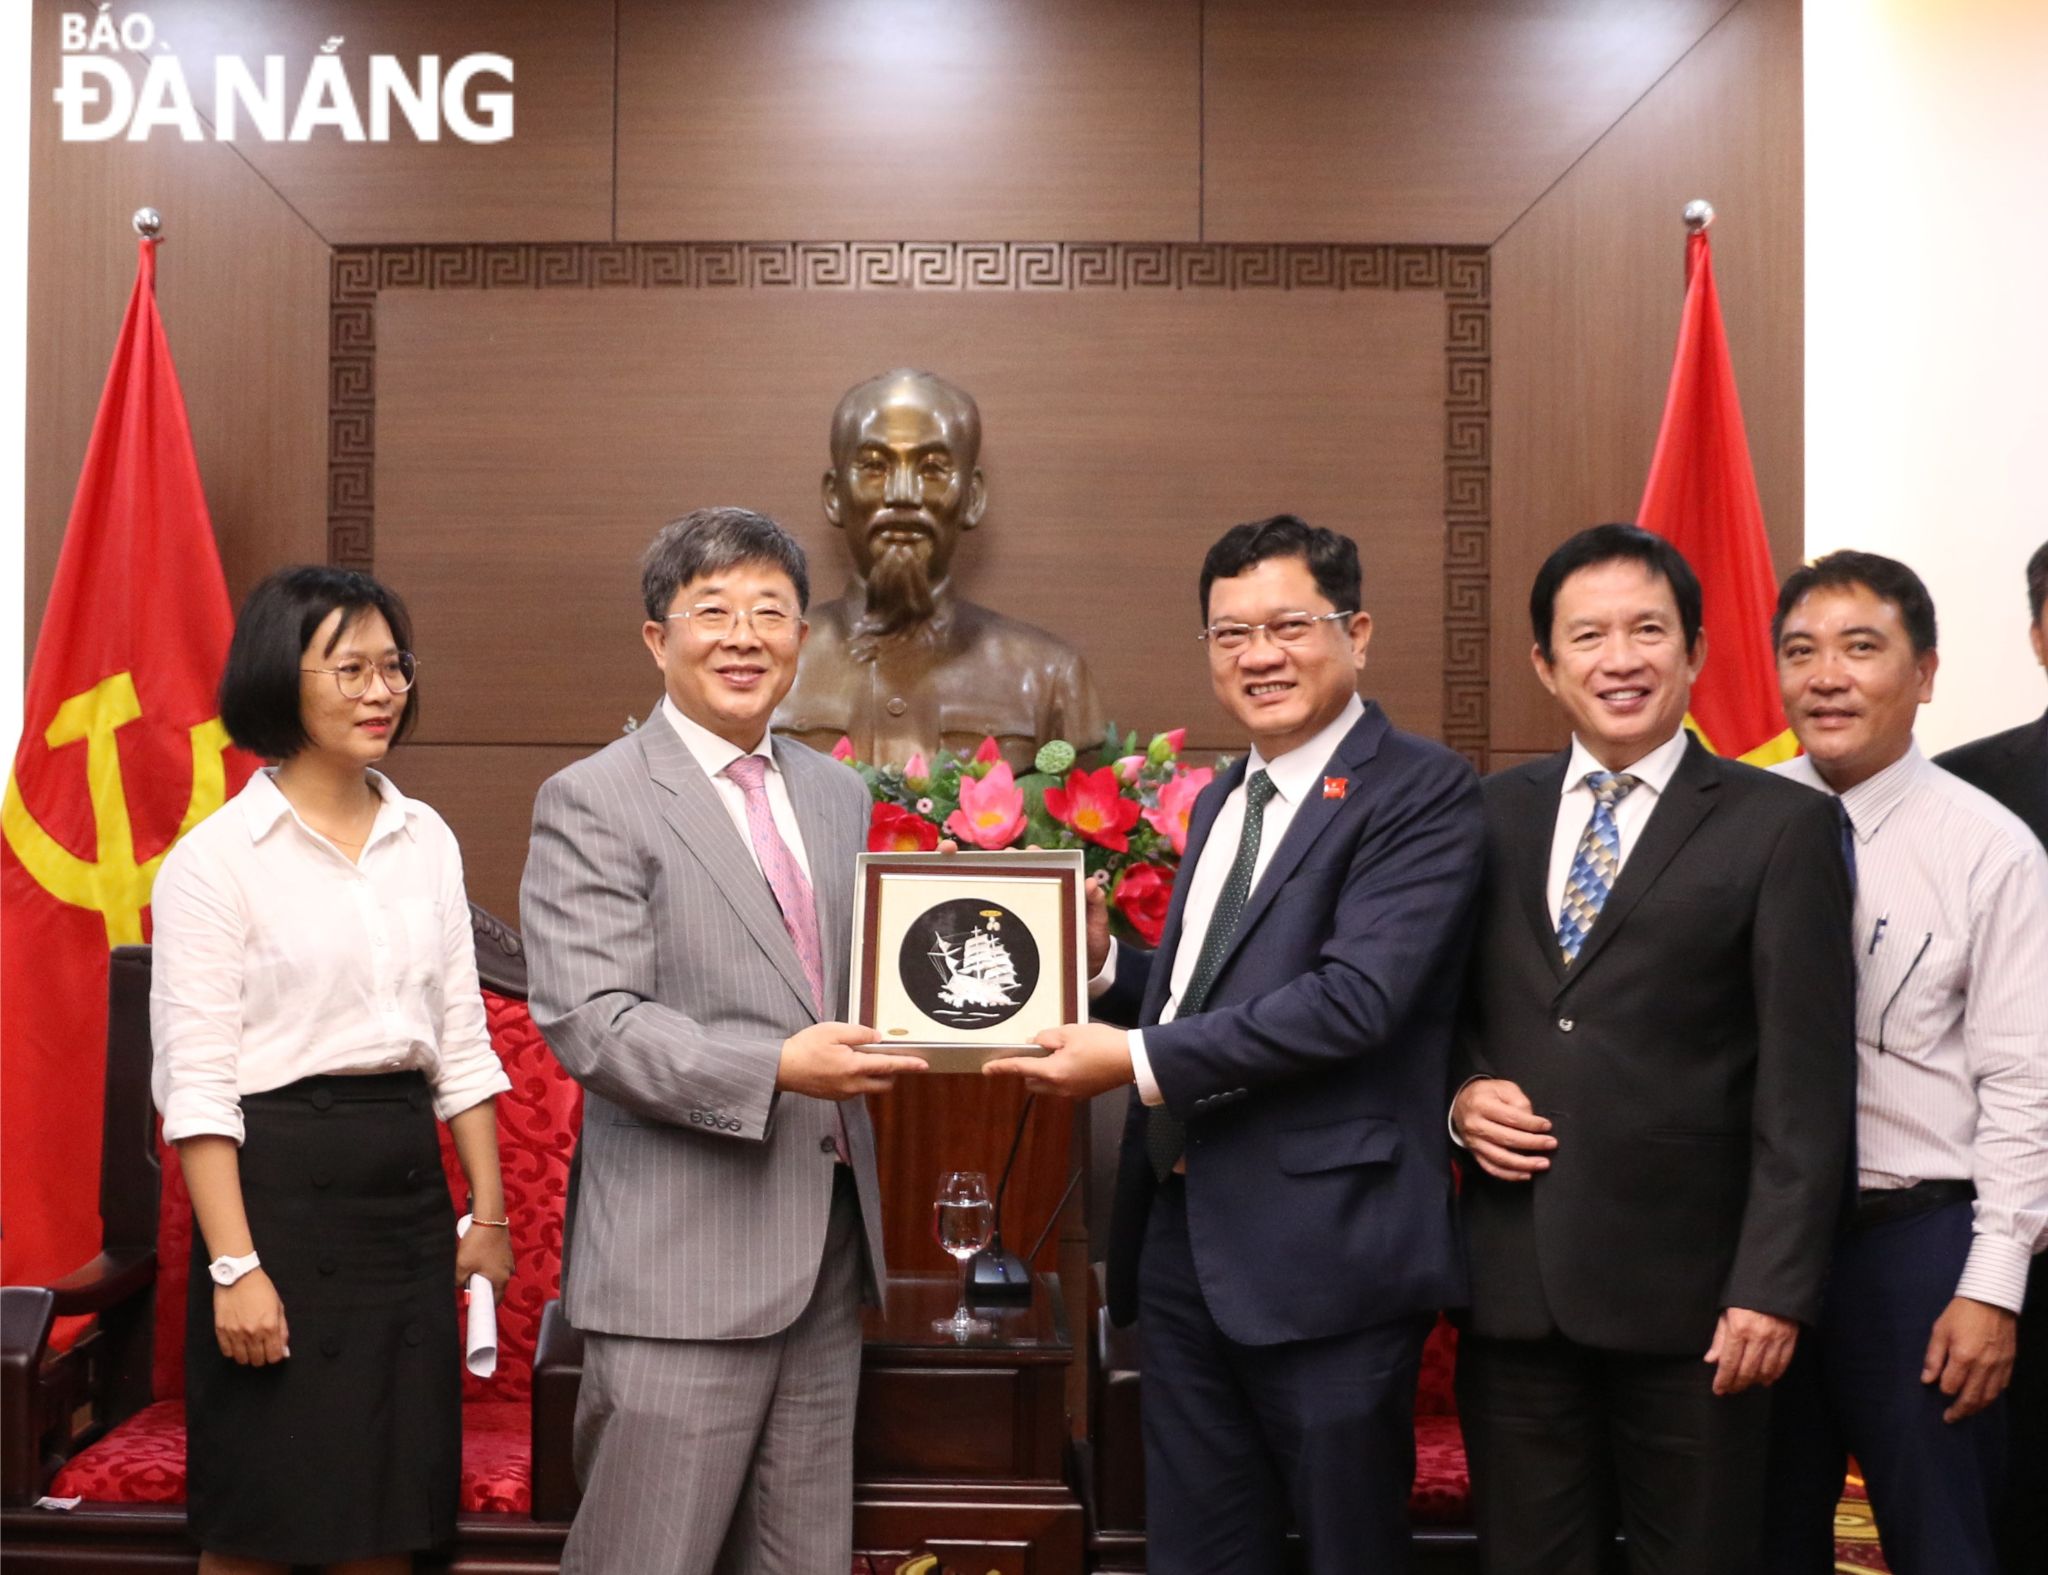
(314, 1007)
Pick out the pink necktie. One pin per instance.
(792, 891)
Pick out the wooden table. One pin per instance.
(960, 1447)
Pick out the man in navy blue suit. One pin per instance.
(1283, 1231)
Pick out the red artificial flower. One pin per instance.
(988, 752)
(843, 750)
(894, 829)
(1092, 804)
(1142, 897)
(1175, 739)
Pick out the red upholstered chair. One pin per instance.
(130, 1368)
(1442, 1496)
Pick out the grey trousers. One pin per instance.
(734, 1456)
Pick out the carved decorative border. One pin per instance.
(362, 273)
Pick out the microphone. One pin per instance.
(995, 1274)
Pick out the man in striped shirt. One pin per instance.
(1916, 1340)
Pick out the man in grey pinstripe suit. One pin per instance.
(687, 907)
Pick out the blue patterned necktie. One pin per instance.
(1595, 864)
(1165, 1132)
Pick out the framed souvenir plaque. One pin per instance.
(964, 957)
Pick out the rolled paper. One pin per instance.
(480, 1353)
(481, 1357)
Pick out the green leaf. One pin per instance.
(1041, 828)
(1033, 785)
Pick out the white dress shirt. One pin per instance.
(1952, 1006)
(714, 754)
(1295, 775)
(274, 958)
(1575, 808)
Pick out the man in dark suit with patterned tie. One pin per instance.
(1283, 1231)
(1657, 1077)
(2013, 768)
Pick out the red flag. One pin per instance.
(1701, 497)
(121, 752)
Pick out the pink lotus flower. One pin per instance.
(1143, 896)
(991, 812)
(1176, 739)
(1129, 766)
(843, 750)
(988, 752)
(915, 768)
(894, 829)
(1176, 803)
(1093, 805)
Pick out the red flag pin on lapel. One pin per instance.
(1336, 787)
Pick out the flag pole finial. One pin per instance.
(1699, 213)
(149, 224)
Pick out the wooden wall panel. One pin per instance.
(1587, 289)
(528, 442)
(1426, 120)
(551, 180)
(484, 791)
(909, 119)
(242, 285)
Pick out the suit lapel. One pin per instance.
(1686, 801)
(832, 897)
(1207, 807)
(694, 811)
(1529, 855)
(1310, 821)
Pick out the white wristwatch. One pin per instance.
(226, 1271)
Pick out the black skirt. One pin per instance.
(352, 1447)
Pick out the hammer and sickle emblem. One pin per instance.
(113, 884)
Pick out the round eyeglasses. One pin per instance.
(352, 677)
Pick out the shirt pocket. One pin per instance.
(1909, 990)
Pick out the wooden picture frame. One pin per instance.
(963, 958)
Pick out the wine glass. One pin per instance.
(963, 1220)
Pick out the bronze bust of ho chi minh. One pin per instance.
(900, 664)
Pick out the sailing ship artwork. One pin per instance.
(969, 963)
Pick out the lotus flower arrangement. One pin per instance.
(1129, 818)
